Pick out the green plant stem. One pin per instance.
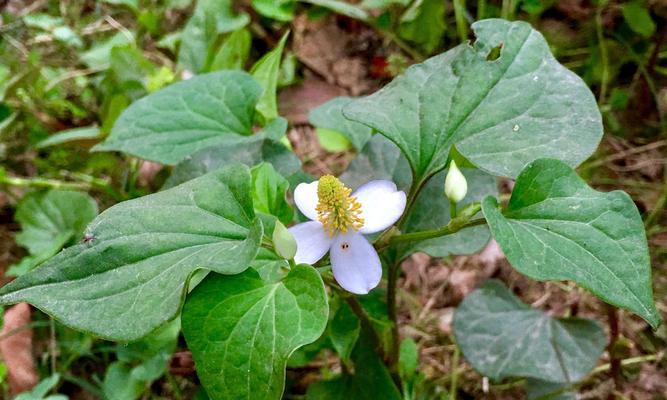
(42, 183)
(411, 198)
(659, 206)
(392, 311)
(452, 209)
(461, 23)
(628, 361)
(604, 57)
(614, 333)
(359, 311)
(86, 183)
(453, 387)
(52, 344)
(481, 9)
(451, 228)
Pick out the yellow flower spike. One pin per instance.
(336, 209)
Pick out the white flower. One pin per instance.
(338, 220)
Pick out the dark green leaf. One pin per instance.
(543, 390)
(330, 116)
(556, 227)
(379, 159)
(241, 329)
(130, 274)
(185, 117)
(502, 337)
(344, 331)
(250, 150)
(501, 114)
(370, 380)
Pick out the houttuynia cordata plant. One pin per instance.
(253, 281)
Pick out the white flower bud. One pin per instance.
(283, 242)
(456, 185)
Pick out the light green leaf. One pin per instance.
(330, 116)
(638, 18)
(431, 211)
(119, 384)
(132, 4)
(71, 135)
(268, 194)
(241, 330)
(173, 123)
(502, 337)
(131, 273)
(99, 55)
(266, 71)
(281, 10)
(66, 35)
(209, 19)
(130, 69)
(332, 141)
(250, 150)
(556, 227)
(423, 23)
(234, 52)
(54, 219)
(42, 21)
(501, 114)
(408, 358)
(341, 7)
(370, 380)
(42, 389)
(284, 243)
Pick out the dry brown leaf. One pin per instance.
(16, 349)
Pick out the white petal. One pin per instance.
(381, 205)
(305, 197)
(356, 265)
(312, 242)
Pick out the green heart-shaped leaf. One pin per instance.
(130, 274)
(249, 150)
(242, 330)
(500, 113)
(503, 337)
(556, 227)
(185, 117)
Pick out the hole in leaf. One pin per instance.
(494, 54)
